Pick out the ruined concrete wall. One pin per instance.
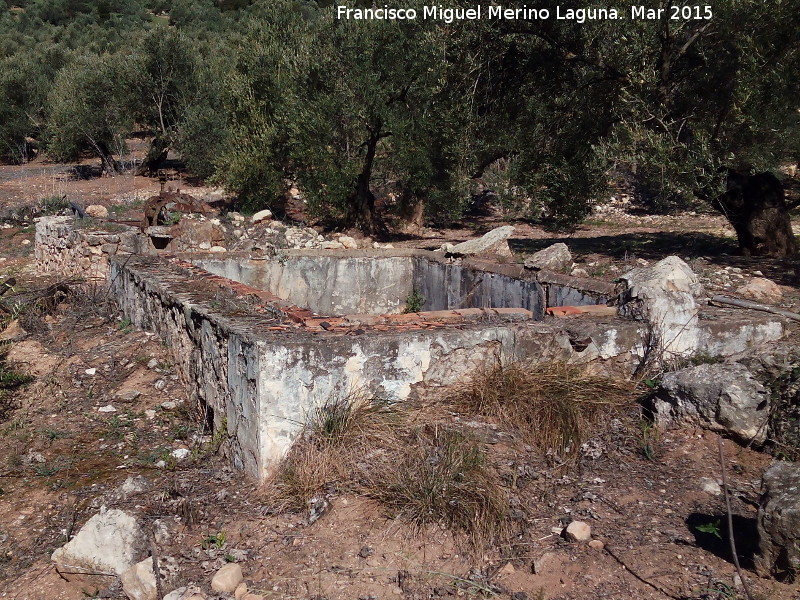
(566, 290)
(219, 364)
(298, 376)
(75, 248)
(450, 286)
(327, 285)
(265, 384)
(335, 283)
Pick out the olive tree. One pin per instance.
(89, 106)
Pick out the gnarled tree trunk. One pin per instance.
(156, 155)
(756, 208)
(108, 163)
(411, 212)
(361, 202)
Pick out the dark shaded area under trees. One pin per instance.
(263, 95)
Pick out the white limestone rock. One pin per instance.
(578, 531)
(176, 594)
(665, 295)
(262, 215)
(111, 541)
(139, 582)
(554, 258)
(494, 243)
(779, 522)
(761, 289)
(348, 242)
(721, 397)
(331, 246)
(227, 579)
(98, 211)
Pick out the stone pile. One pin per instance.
(63, 247)
(111, 549)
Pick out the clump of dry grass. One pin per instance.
(440, 477)
(336, 435)
(430, 475)
(435, 474)
(551, 405)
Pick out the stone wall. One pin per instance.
(72, 248)
(217, 359)
(261, 376)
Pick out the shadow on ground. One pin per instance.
(638, 244)
(719, 250)
(711, 534)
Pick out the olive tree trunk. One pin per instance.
(756, 208)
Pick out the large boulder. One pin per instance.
(664, 295)
(553, 258)
(779, 522)
(109, 544)
(494, 243)
(721, 397)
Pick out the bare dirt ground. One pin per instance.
(64, 454)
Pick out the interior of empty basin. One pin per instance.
(335, 283)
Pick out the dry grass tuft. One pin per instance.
(336, 435)
(440, 477)
(551, 405)
(435, 474)
(426, 476)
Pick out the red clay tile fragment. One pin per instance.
(600, 310)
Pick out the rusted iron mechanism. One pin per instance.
(160, 210)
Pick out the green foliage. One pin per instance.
(695, 96)
(712, 528)
(213, 540)
(648, 439)
(414, 302)
(338, 106)
(89, 107)
(261, 95)
(51, 205)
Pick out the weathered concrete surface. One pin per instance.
(779, 522)
(474, 285)
(566, 290)
(326, 284)
(726, 332)
(721, 397)
(380, 281)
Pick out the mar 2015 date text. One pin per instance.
(683, 13)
